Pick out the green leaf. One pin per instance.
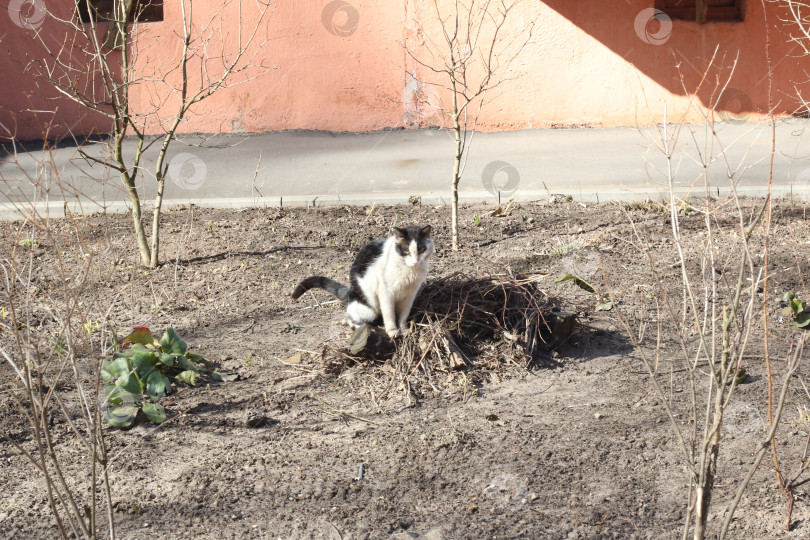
(106, 374)
(145, 363)
(171, 342)
(113, 369)
(788, 296)
(802, 320)
(141, 335)
(188, 377)
(198, 359)
(155, 412)
(123, 373)
(168, 359)
(116, 395)
(188, 364)
(126, 353)
(120, 407)
(158, 385)
(121, 416)
(132, 351)
(130, 383)
(579, 282)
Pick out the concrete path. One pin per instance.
(297, 168)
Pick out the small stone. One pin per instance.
(254, 418)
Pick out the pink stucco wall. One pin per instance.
(586, 64)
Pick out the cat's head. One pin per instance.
(413, 244)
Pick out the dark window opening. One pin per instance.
(716, 10)
(102, 10)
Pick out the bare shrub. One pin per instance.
(54, 333)
(711, 308)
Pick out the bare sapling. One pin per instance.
(712, 308)
(463, 54)
(176, 70)
(53, 335)
(795, 16)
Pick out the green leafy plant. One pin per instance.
(59, 345)
(578, 281)
(603, 302)
(140, 375)
(797, 311)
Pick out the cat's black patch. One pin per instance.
(405, 235)
(365, 258)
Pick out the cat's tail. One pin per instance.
(320, 282)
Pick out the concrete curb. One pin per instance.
(11, 211)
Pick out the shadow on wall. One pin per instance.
(675, 52)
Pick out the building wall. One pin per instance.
(588, 62)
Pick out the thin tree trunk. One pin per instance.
(160, 175)
(454, 205)
(456, 169)
(134, 198)
(709, 466)
(140, 234)
(161, 184)
(704, 492)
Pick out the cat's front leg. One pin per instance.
(388, 311)
(403, 311)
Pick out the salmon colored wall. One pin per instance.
(30, 107)
(586, 64)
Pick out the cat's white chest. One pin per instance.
(404, 279)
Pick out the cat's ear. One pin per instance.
(400, 233)
(425, 231)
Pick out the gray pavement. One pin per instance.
(317, 168)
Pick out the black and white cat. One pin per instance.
(385, 277)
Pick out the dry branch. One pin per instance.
(467, 327)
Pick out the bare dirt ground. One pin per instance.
(579, 446)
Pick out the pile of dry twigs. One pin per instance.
(462, 328)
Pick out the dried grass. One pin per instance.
(464, 330)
